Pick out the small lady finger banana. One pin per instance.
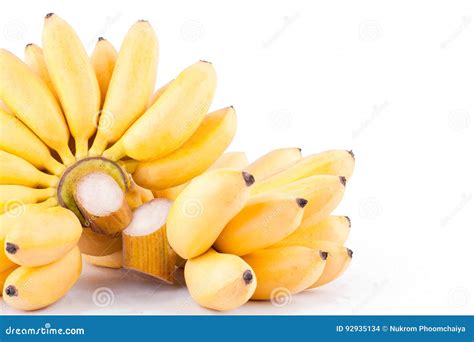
(273, 162)
(34, 57)
(14, 195)
(103, 61)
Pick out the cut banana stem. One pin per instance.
(284, 271)
(323, 192)
(17, 139)
(32, 288)
(102, 203)
(172, 119)
(42, 236)
(156, 95)
(130, 87)
(4, 275)
(195, 156)
(264, 220)
(233, 160)
(333, 228)
(74, 79)
(335, 162)
(35, 59)
(113, 260)
(203, 209)
(219, 281)
(145, 245)
(339, 259)
(30, 99)
(103, 61)
(94, 244)
(17, 171)
(12, 196)
(273, 162)
(136, 195)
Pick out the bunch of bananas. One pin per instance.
(93, 161)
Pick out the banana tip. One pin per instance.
(247, 276)
(350, 253)
(248, 178)
(204, 61)
(301, 202)
(11, 248)
(351, 153)
(11, 291)
(323, 255)
(343, 180)
(349, 221)
(49, 15)
(101, 39)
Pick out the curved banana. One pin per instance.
(333, 229)
(32, 288)
(195, 156)
(157, 94)
(264, 220)
(17, 171)
(30, 99)
(74, 79)
(34, 58)
(103, 61)
(136, 195)
(285, 270)
(219, 281)
(4, 275)
(17, 139)
(5, 262)
(335, 162)
(130, 87)
(172, 119)
(40, 237)
(273, 162)
(14, 195)
(202, 210)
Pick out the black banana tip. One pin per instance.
(351, 153)
(248, 178)
(101, 38)
(49, 15)
(350, 253)
(299, 149)
(323, 255)
(142, 21)
(343, 180)
(301, 202)
(348, 220)
(247, 276)
(11, 291)
(28, 45)
(203, 61)
(11, 248)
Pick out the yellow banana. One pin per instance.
(34, 57)
(4, 275)
(202, 210)
(219, 281)
(113, 260)
(4, 108)
(95, 244)
(14, 195)
(232, 160)
(17, 171)
(30, 99)
(336, 162)
(265, 220)
(339, 259)
(285, 270)
(333, 229)
(5, 262)
(172, 119)
(156, 95)
(17, 139)
(40, 237)
(103, 61)
(323, 193)
(136, 195)
(130, 87)
(195, 156)
(273, 162)
(32, 288)
(74, 79)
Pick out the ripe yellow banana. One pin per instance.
(136, 195)
(285, 270)
(17, 139)
(265, 220)
(195, 156)
(333, 229)
(339, 259)
(40, 237)
(30, 99)
(103, 61)
(130, 87)
(4, 108)
(273, 162)
(113, 260)
(32, 288)
(172, 119)
(202, 210)
(336, 162)
(156, 95)
(219, 281)
(74, 79)
(14, 195)
(5, 262)
(34, 57)
(323, 193)
(17, 171)
(4, 275)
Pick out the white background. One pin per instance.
(394, 81)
